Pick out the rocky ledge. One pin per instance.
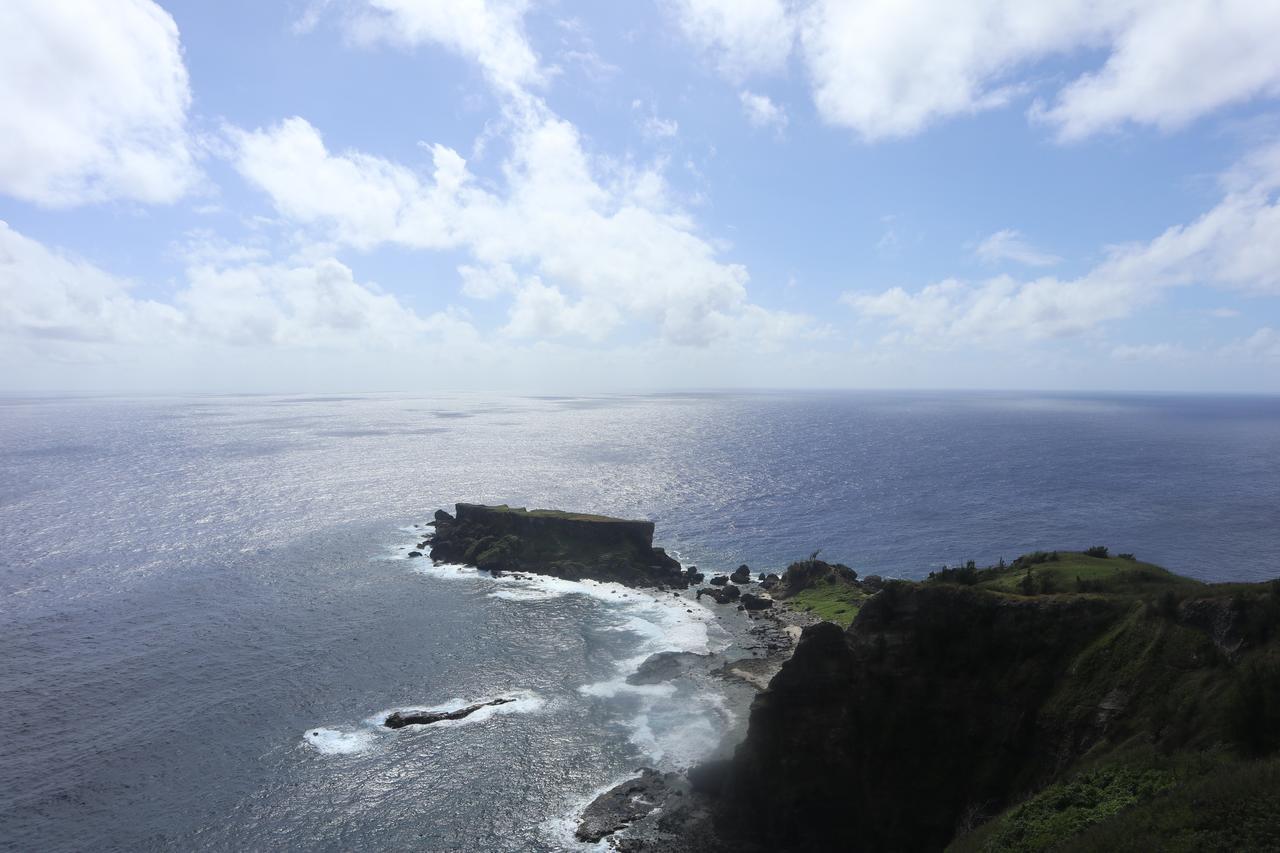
(569, 545)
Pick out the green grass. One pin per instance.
(833, 602)
(1066, 809)
(554, 513)
(1138, 803)
(1076, 572)
(1231, 807)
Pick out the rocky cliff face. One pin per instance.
(574, 546)
(1146, 707)
(884, 736)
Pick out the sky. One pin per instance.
(541, 197)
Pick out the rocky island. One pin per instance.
(570, 545)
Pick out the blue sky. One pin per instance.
(520, 196)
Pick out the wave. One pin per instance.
(675, 723)
(335, 742)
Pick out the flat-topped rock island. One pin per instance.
(569, 545)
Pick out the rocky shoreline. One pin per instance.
(675, 812)
(667, 811)
(1007, 707)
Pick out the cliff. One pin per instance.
(573, 546)
(1064, 700)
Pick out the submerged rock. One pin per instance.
(415, 554)
(664, 666)
(400, 719)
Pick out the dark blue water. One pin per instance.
(204, 602)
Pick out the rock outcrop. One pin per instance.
(400, 719)
(655, 813)
(568, 545)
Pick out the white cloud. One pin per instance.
(540, 311)
(1159, 353)
(1009, 245)
(655, 127)
(761, 111)
(1224, 313)
(1172, 61)
(612, 240)
(652, 125)
(594, 243)
(47, 296)
(890, 68)
(317, 305)
(741, 36)
(1262, 345)
(489, 32)
(364, 200)
(1234, 246)
(93, 103)
(50, 300)
(1000, 310)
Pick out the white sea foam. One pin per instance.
(329, 741)
(559, 831)
(672, 727)
(619, 686)
(335, 742)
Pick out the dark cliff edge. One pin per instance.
(1074, 703)
(574, 546)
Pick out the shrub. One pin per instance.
(1096, 551)
(1034, 559)
(1253, 709)
(1128, 557)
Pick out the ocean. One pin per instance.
(206, 603)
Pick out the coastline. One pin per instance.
(753, 646)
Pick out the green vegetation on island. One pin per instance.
(830, 591)
(1068, 700)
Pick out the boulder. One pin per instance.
(721, 595)
(741, 575)
(719, 580)
(756, 602)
